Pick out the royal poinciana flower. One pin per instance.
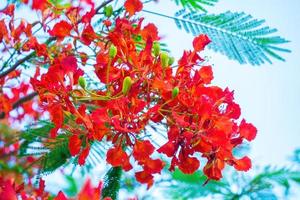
(137, 85)
(11, 191)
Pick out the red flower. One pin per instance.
(247, 130)
(133, 6)
(144, 177)
(60, 196)
(142, 149)
(153, 166)
(213, 169)
(56, 114)
(200, 42)
(117, 157)
(243, 164)
(40, 4)
(88, 35)
(9, 10)
(188, 165)
(74, 145)
(83, 155)
(7, 190)
(61, 29)
(150, 31)
(205, 74)
(3, 31)
(88, 192)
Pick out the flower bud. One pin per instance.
(113, 51)
(164, 58)
(82, 82)
(171, 60)
(108, 11)
(127, 82)
(156, 49)
(175, 92)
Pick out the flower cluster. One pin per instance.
(137, 84)
(10, 190)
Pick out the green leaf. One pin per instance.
(72, 188)
(236, 35)
(196, 4)
(189, 186)
(112, 183)
(57, 156)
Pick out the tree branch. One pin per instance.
(21, 61)
(31, 55)
(20, 102)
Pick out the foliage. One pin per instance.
(236, 35)
(263, 185)
(196, 4)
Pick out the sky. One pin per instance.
(268, 94)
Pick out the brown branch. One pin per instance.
(21, 61)
(20, 102)
(14, 66)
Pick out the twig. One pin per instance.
(21, 61)
(19, 102)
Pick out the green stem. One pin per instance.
(112, 183)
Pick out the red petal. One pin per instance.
(69, 64)
(200, 42)
(40, 4)
(150, 31)
(74, 145)
(88, 35)
(56, 114)
(154, 166)
(3, 31)
(117, 157)
(144, 177)
(61, 29)
(188, 165)
(213, 169)
(133, 6)
(88, 192)
(168, 149)
(60, 196)
(180, 119)
(142, 149)
(243, 164)
(83, 156)
(247, 130)
(7, 190)
(233, 110)
(9, 10)
(206, 74)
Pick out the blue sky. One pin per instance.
(269, 94)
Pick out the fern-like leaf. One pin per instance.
(236, 35)
(196, 5)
